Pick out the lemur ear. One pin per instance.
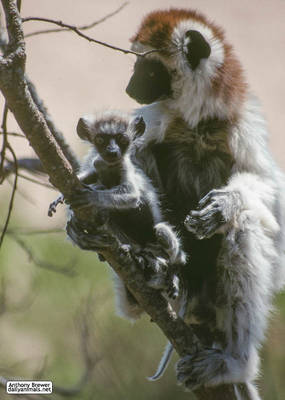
(197, 48)
(83, 129)
(139, 126)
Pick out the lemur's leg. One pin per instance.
(120, 197)
(126, 304)
(243, 301)
(170, 242)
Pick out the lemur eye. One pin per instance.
(99, 140)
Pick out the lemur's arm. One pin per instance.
(88, 177)
(119, 197)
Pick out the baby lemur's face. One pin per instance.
(111, 147)
(111, 134)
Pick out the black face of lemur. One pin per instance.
(111, 147)
(150, 81)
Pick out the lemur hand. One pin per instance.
(213, 211)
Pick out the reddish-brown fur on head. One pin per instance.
(156, 28)
(156, 31)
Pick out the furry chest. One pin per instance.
(188, 173)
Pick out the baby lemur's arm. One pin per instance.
(124, 196)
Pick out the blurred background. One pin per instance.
(57, 311)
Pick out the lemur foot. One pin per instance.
(154, 266)
(206, 367)
(170, 243)
(172, 287)
(158, 273)
(211, 214)
(54, 204)
(88, 240)
(125, 254)
(101, 258)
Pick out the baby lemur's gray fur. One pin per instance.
(120, 194)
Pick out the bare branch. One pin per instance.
(58, 135)
(23, 305)
(22, 193)
(68, 269)
(27, 232)
(4, 143)
(15, 89)
(3, 297)
(88, 353)
(20, 135)
(90, 39)
(90, 358)
(67, 151)
(27, 178)
(82, 27)
(11, 203)
(32, 165)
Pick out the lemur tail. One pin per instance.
(163, 363)
(166, 357)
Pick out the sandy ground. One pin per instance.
(75, 77)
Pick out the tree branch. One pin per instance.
(67, 151)
(15, 89)
(67, 269)
(11, 203)
(82, 27)
(90, 39)
(4, 142)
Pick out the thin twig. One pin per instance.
(27, 178)
(3, 299)
(12, 195)
(4, 143)
(22, 193)
(59, 137)
(67, 269)
(79, 33)
(27, 232)
(10, 168)
(15, 134)
(23, 304)
(82, 27)
(90, 358)
(30, 164)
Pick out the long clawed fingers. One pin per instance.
(205, 221)
(209, 198)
